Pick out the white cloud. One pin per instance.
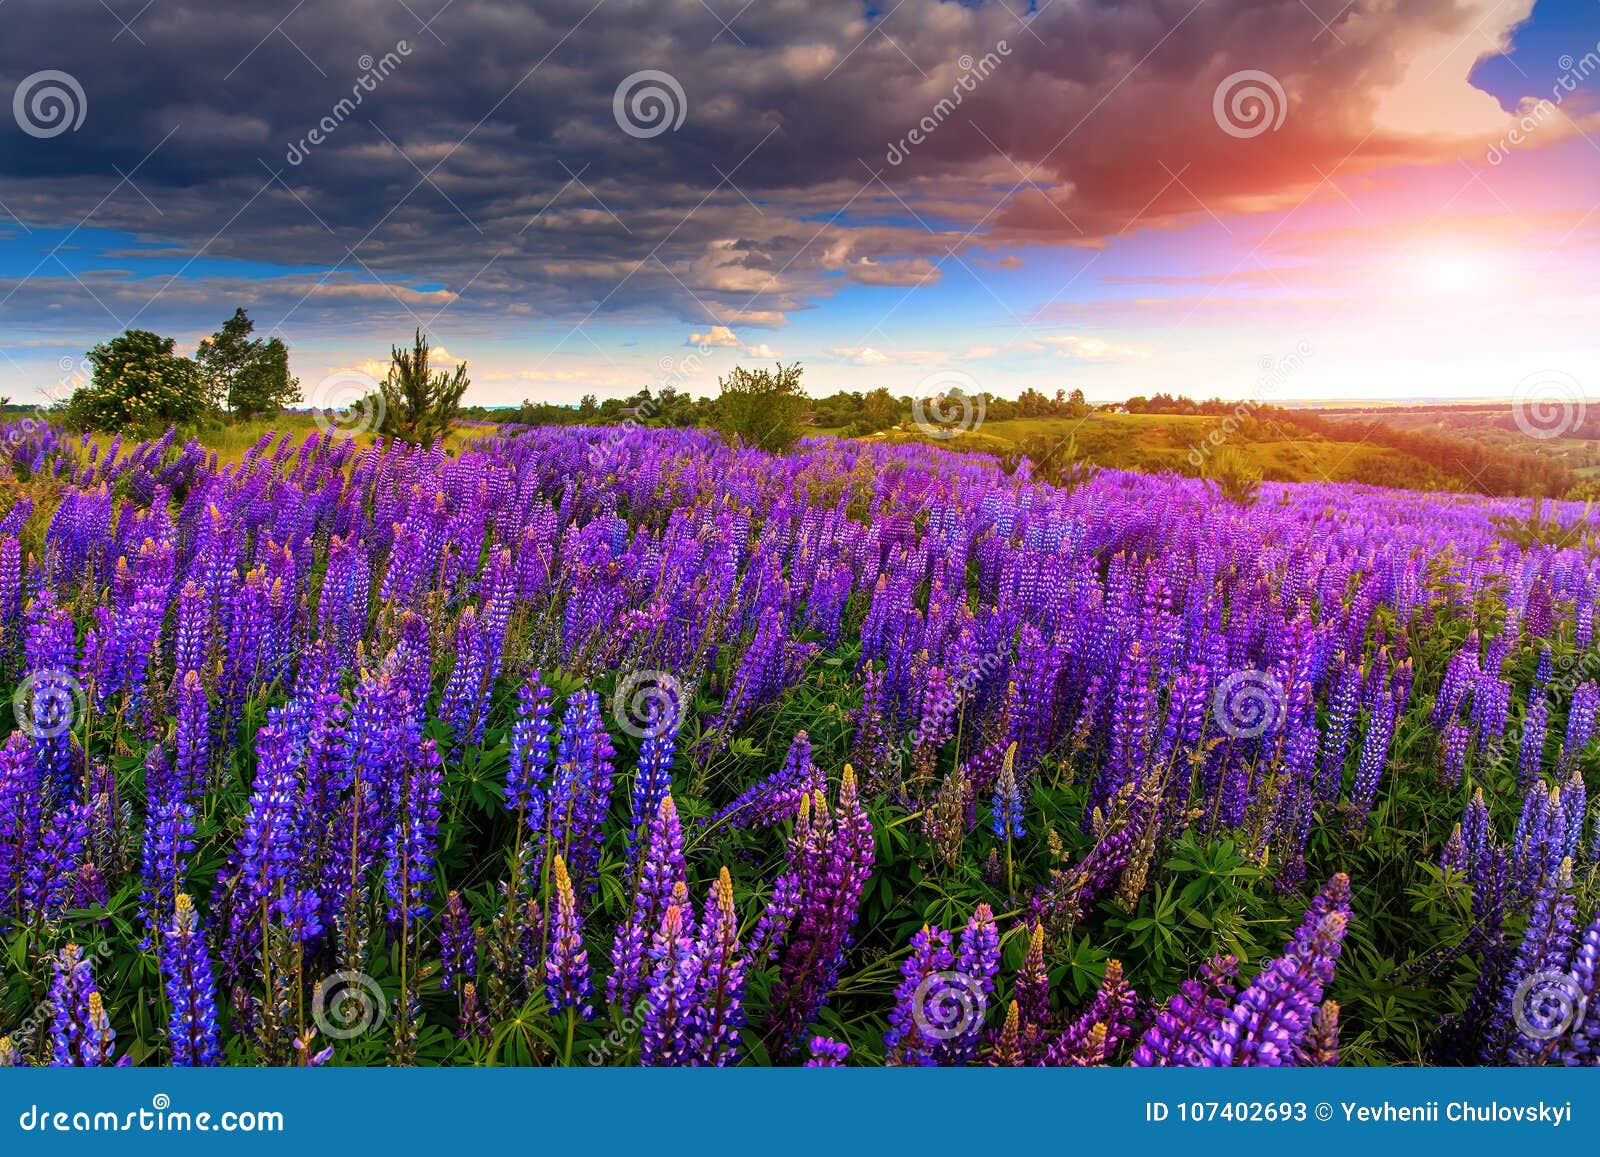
(718, 335)
(1094, 349)
(722, 337)
(862, 355)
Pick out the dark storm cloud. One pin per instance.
(466, 153)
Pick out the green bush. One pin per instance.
(762, 408)
(140, 386)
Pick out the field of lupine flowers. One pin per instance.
(618, 747)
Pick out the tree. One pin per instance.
(879, 411)
(761, 408)
(223, 355)
(140, 385)
(243, 374)
(420, 405)
(264, 385)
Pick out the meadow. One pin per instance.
(618, 746)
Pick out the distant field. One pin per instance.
(1163, 442)
(1492, 425)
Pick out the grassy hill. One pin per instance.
(1174, 442)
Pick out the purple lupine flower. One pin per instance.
(718, 1012)
(827, 1053)
(813, 906)
(1581, 717)
(580, 794)
(191, 989)
(1457, 736)
(1007, 805)
(192, 737)
(567, 967)
(775, 798)
(529, 758)
(1535, 721)
(653, 780)
(53, 864)
(168, 840)
(662, 871)
(674, 981)
(1181, 1029)
(1095, 1036)
(458, 943)
(1268, 1023)
(977, 961)
(54, 693)
(413, 840)
(1031, 990)
(1519, 1034)
(920, 999)
(21, 822)
(81, 1033)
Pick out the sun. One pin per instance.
(1447, 272)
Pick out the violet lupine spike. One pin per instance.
(21, 824)
(567, 983)
(662, 871)
(1524, 1019)
(580, 795)
(1007, 804)
(413, 839)
(192, 736)
(1181, 1028)
(191, 989)
(924, 980)
(1095, 1036)
(1031, 989)
(715, 1021)
(652, 782)
(169, 840)
(978, 960)
(1272, 1015)
(528, 762)
(673, 987)
(80, 1032)
(775, 797)
(827, 1053)
(458, 943)
(830, 857)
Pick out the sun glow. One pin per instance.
(1448, 272)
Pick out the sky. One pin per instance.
(1288, 201)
